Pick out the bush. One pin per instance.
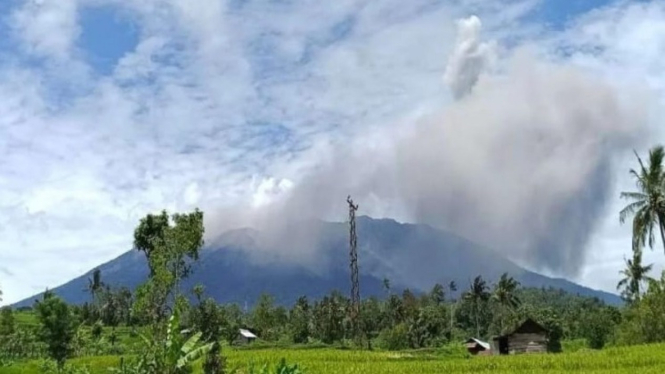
(394, 339)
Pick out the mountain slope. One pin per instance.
(413, 256)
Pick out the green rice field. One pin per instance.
(639, 359)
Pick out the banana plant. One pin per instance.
(173, 355)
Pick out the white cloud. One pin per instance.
(182, 119)
(48, 27)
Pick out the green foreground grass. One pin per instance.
(640, 359)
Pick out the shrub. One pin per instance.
(394, 339)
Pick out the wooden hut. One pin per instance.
(245, 337)
(478, 347)
(528, 337)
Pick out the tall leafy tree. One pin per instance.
(57, 326)
(300, 320)
(437, 294)
(504, 294)
(634, 276)
(170, 245)
(232, 321)
(328, 316)
(478, 296)
(647, 204)
(7, 324)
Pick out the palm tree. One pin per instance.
(504, 294)
(635, 274)
(477, 294)
(198, 292)
(647, 205)
(452, 286)
(386, 285)
(95, 285)
(438, 294)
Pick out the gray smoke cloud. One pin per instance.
(522, 162)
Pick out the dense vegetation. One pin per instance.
(162, 328)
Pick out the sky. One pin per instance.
(110, 110)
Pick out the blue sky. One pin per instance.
(112, 109)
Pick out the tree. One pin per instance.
(437, 295)
(371, 319)
(175, 354)
(208, 320)
(170, 245)
(452, 287)
(477, 295)
(198, 292)
(597, 326)
(95, 285)
(328, 317)
(386, 285)
(634, 275)
(647, 205)
(504, 295)
(57, 328)
(232, 320)
(7, 324)
(300, 320)
(263, 316)
(214, 362)
(644, 321)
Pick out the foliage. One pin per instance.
(634, 276)
(174, 355)
(478, 296)
(644, 322)
(170, 244)
(280, 368)
(647, 205)
(300, 321)
(232, 319)
(57, 326)
(395, 338)
(329, 316)
(214, 362)
(53, 367)
(7, 323)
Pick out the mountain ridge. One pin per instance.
(410, 255)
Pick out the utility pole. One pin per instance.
(353, 254)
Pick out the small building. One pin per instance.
(528, 337)
(245, 337)
(478, 347)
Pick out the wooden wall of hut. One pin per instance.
(527, 343)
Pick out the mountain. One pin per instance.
(242, 264)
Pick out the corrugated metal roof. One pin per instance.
(479, 342)
(247, 334)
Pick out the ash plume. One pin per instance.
(521, 161)
(469, 58)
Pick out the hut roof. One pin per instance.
(478, 342)
(247, 334)
(528, 326)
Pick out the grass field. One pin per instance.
(640, 359)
